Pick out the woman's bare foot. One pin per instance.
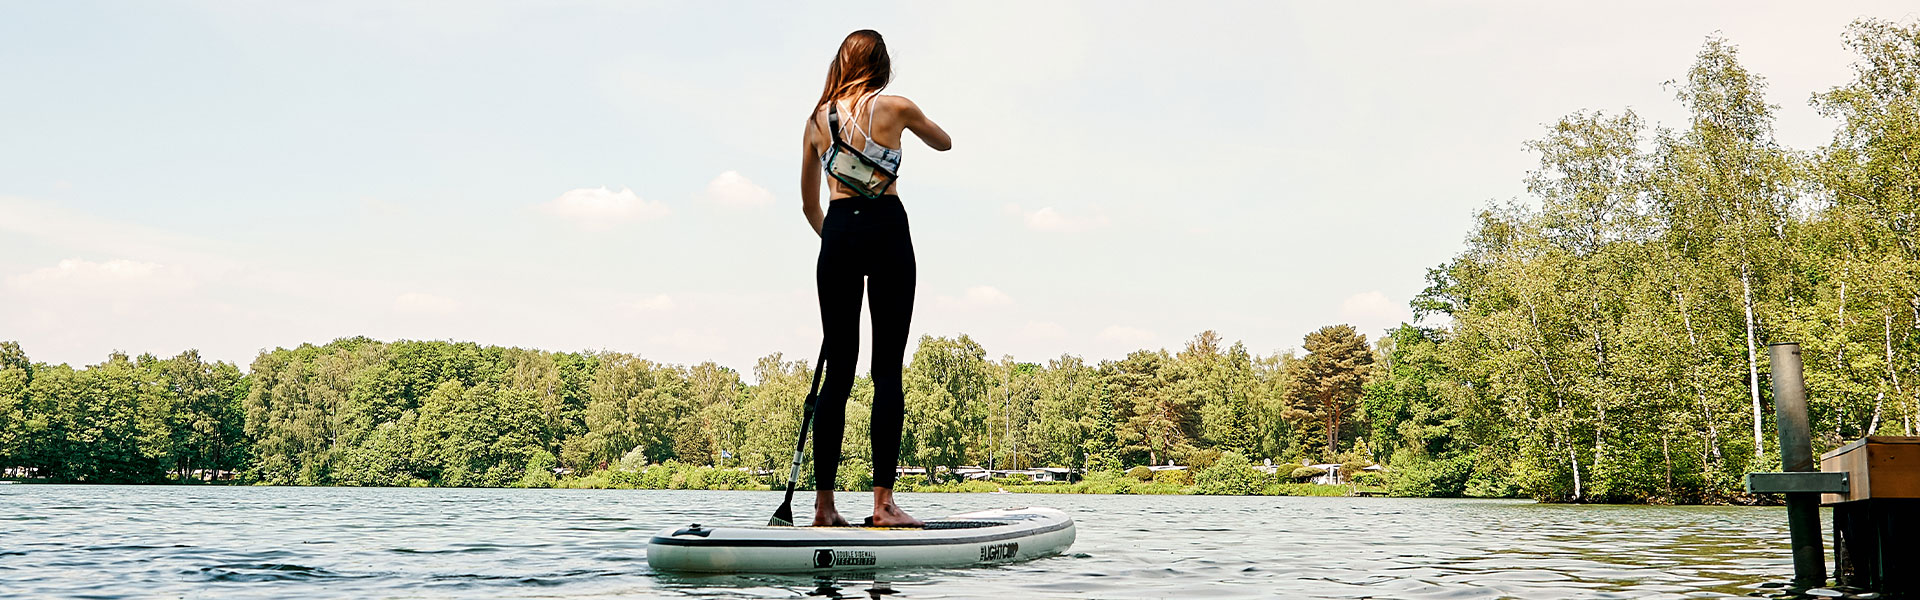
(888, 514)
(824, 515)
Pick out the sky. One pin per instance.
(239, 176)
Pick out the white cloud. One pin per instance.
(424, 303)
(81, 233)
(76, 295)
(659, 302)
(112, 279)
(1370, 311)
(733, 190)
(598, 209)
(1050, 220)
(979, 296)
(1126, 335)
(986, 295)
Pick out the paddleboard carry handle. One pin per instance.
(783, 517)
(694, 530)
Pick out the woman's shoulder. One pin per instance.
(898, 105)
(881, 103)
(892, 101)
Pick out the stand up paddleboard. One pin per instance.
(976, 538)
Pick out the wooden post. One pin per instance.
(1796, 455)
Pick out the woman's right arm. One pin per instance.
(810, 178)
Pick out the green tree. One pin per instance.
(1151, 420)
(1404, 405)
(771, 419)
(633, 403)
(198, 404)
(1326, 383)
(716, 394)
(21, 421)
(477, 436)
(1070, 427)
(1867, 171)
(946, 384)
(1728, 189)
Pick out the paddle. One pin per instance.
(783, 517)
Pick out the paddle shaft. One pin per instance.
(784, 515)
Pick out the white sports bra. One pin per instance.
(888, 157)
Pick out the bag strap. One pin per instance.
(833, 124)
(833, 120)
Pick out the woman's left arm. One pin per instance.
(810, 178)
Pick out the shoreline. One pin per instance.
(1029, 489)
(1149, 489)
(971, 487)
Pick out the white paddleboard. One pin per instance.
(976, 538)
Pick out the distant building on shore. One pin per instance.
(976, 473)
(1332, 475)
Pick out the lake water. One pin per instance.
(262, 542)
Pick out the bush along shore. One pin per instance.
(1232, 475)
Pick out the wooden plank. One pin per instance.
(1843, 449)
(1876, 467)
(1895, 466)
(1852, 460)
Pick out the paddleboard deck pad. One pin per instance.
(976, 538)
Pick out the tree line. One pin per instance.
(357, 411)
(1606, 338)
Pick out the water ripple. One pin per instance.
(122, 542)
(252, 572)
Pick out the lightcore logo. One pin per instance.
(993, 552)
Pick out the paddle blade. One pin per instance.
(782, 517)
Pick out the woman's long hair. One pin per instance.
(861, 66)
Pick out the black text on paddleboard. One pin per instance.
(992, 552)
(824, 558)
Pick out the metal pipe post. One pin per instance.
(1796, 454)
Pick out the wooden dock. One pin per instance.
(1876, 521)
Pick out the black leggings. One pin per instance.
(864, 243)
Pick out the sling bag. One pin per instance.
(852, 168)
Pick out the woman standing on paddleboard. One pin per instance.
(854, 137)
